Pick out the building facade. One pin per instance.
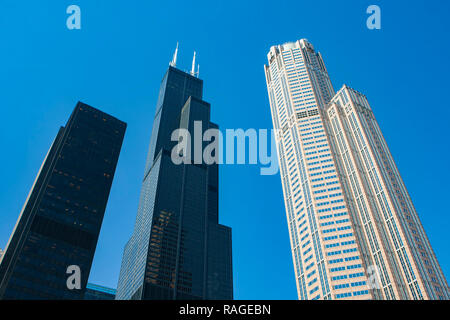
(178, 249)
(96, 292)
(353, 229)
(60, 222)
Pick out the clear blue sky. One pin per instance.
(116, 62)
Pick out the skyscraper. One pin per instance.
(96, 292)
(178, 249)
(353, 228)
(60, 222)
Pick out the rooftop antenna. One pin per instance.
(173, 63)
(193, 65)
(198, 70)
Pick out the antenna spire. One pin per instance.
(173, 63)
(193, 65)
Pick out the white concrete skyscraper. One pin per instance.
(354, 231)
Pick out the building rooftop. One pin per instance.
(100, 288)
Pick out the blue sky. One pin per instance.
(117, 60)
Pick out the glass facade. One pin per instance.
(96, 292)
(61, 219)
(178, 249)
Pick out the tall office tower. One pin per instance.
(353, 229)
(96, 292)
(60, 222)
(178, 249)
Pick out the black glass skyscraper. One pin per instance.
(178, 249)
(60, 222)
(96, 292)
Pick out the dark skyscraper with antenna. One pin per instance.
(178, 249)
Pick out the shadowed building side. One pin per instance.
(60, 222)
(96, 292)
